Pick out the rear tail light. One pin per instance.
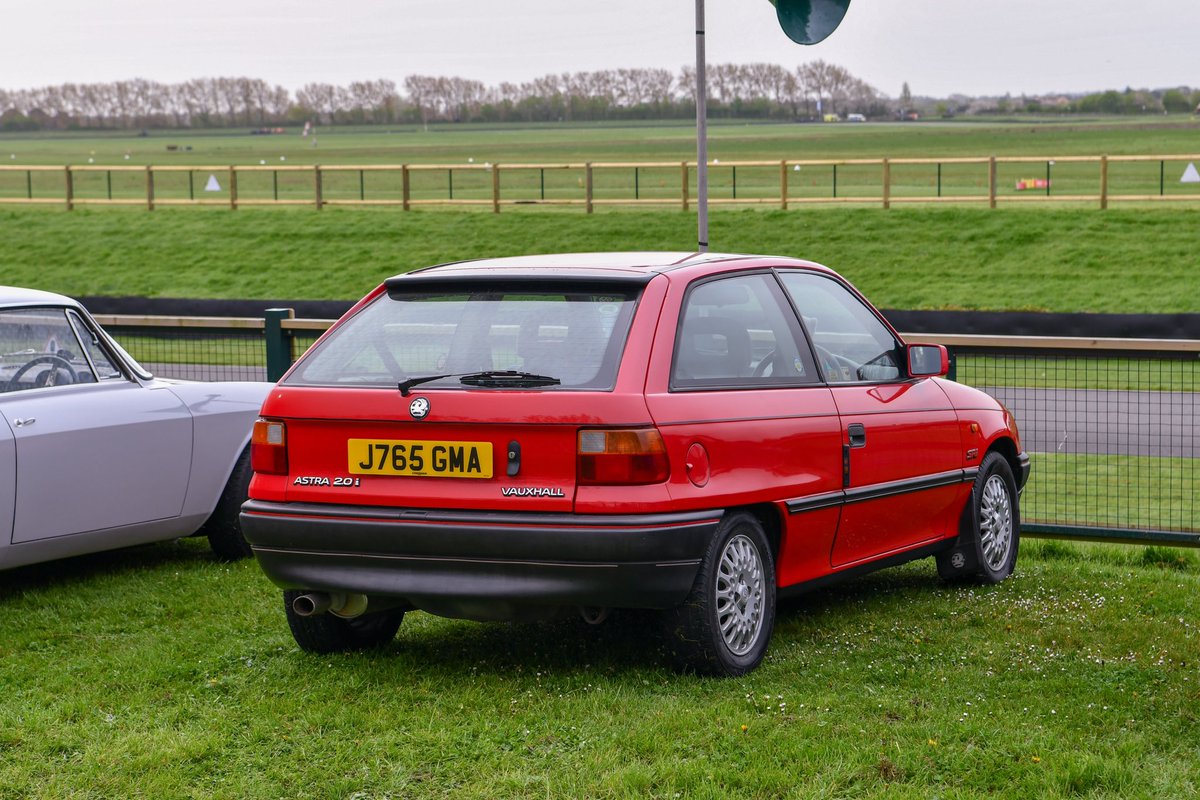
(622, 457)
(268, 447)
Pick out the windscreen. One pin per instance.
(574, 337)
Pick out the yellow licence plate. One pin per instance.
(420, 458)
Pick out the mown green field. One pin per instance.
(577, 142)
(158, 672)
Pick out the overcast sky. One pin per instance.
(940, 47)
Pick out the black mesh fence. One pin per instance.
(200, 354)
(1113, 437)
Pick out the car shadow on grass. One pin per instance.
(78, 570)
(631, 640)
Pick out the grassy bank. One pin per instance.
(1134, 260)
(157, 672)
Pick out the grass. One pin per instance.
(1126, 260)
(157, 672)
(577, 142)
(1113, 491)
(1139, 372)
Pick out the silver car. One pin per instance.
(96, 453)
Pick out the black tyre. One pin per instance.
(223, 527)
(328, 633)
(990, 530)
(724, 626)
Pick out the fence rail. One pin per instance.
(1112, 425)
(992, 180)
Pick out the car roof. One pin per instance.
(613, 265)
(16, 296)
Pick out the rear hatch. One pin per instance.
(460, 395)
(485, 449)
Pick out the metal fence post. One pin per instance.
(70, 188)
(495, 188)
(278, 341)
(405, 188)
(317, 190)
(149, 188)
(233, 200)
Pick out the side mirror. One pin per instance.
(925, 360)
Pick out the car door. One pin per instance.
(902, 459)
(745, 411)
(94, 449)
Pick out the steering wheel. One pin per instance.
(768, 362)
(50, 377)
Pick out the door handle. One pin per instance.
(21, 423)
(858, 434)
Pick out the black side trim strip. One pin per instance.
(815, 502)
(876, 491)
(863, 493)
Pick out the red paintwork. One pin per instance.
(761, 447)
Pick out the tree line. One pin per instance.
(763, 91)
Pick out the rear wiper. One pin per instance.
(488, 379)
(508, 377)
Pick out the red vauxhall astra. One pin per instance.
(690, 432)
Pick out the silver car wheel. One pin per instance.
(995, 522)
(740, 594)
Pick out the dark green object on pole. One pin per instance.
(809, 21)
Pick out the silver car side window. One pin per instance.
(102, 364)
(39, 349)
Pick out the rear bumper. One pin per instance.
(482, 565)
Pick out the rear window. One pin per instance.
(575, 337)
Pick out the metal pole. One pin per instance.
(701, 135)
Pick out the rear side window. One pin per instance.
(739, 332)
(575, 337)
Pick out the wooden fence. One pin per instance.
(884, 181)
